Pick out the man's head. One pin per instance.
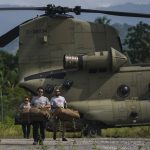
(26, 99)
(40, 91)
(57, 92)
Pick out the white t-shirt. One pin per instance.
(23, 105)
(40, 101)
(58, 101)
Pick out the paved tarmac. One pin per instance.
(78, 144)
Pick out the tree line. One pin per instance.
(10, 94)
(137, 41)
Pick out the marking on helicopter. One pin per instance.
(36, 31)
(57, 74)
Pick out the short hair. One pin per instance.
(57, 90)
(40, 88)
(26, 97)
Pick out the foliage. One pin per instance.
(138, 42)
(102, 20)
(10, 131)
(12, 95)
(134, 132)
(11, 100)
(9, 69)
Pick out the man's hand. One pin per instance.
(41, 106)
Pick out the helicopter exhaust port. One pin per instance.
(70, 62)
(87, 62)
(102, 61)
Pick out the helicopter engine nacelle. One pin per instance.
(99, 61)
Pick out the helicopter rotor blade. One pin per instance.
(52, 9)
(9, 36)
(117, 13)
(22, 8)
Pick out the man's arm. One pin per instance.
(48, 105)
(65, 104)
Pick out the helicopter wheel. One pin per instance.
(94, 132)
(91, 131)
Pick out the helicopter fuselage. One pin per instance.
(94, 77)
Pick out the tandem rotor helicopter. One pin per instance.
(86, 60)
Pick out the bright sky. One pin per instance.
(83, 3)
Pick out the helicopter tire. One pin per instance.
(91, 132)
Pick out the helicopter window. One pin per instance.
(49, 88)
(67, 84)
(123, 91)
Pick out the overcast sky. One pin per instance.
(83, 3)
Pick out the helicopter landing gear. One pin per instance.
(91, 130)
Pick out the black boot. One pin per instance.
(64, 139)
(54, 136)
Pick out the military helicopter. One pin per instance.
(86, 61)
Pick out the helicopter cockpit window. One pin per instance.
(123, 91)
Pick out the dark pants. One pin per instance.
(26, 129)
(36, 126)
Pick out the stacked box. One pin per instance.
(24, 114)
(37, 114)
(66, 114)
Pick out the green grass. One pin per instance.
(15, 131)
(134, 132)
(9, 130)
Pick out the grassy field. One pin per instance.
(133, 132)
(9, 130)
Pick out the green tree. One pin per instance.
(9, 69)
(12, 95)
(138, 43)
(12, 98)
(102, 20)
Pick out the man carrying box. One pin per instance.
(58, 101)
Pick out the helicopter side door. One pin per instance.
(133, 103)
(126, 107)
(144, 100)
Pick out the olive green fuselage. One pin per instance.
(107, 91)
